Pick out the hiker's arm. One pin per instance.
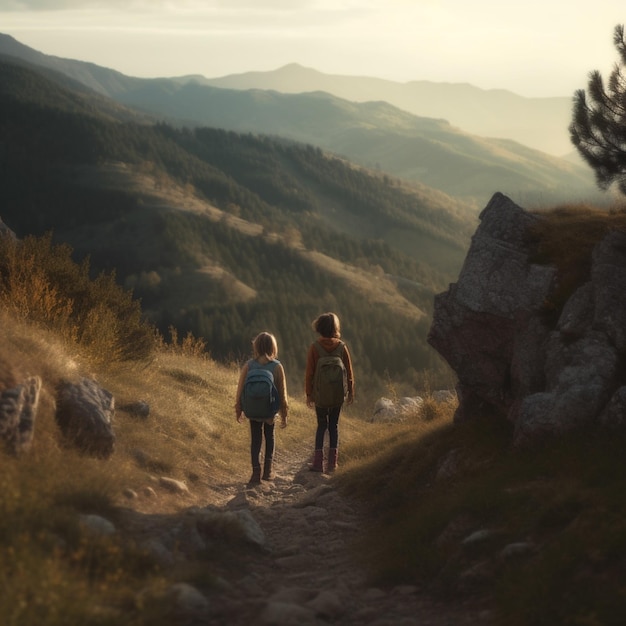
(347, 361)
(242, 378)
(281, 385)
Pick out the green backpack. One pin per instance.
(330, 381)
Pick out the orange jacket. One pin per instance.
(329, 344)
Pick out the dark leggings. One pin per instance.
(257, 430)
(327, 420)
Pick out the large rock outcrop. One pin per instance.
(513, 359)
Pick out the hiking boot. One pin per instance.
(318, 461)
(267, 470)
(333, 454)
(255, 479)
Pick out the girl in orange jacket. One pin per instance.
(329, 341)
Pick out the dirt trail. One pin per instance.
(307, 574)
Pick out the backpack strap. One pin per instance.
(273, 363)
(253, 364)
(338, 350)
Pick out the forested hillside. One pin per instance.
(224, 234)
(375, 134)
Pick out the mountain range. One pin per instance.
(376, 134)
(540, 123)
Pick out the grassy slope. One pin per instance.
(563, 504)
(53, 571)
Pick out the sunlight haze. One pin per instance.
(538, 48)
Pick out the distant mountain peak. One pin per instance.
(288, 71)
(297, 67)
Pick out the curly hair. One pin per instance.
(327, 325)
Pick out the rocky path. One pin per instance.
(305, 574)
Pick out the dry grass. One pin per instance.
(426, 487)
(47, 574)
(566, 236)
(369, 444)
(190, 435)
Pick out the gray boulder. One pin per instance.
(97, 525)
(497, 277)
(388, 410)
(498, 294)
(608, 276)
(85, 416)
(18, 410)
(577, 314)
(614, 414)
(188, 600)
(546, 374)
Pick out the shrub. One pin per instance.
(40, 282)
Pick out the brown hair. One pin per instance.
(264, 344)
(327, 325)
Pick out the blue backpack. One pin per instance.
(260, 398)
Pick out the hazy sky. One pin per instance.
(534, 48)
